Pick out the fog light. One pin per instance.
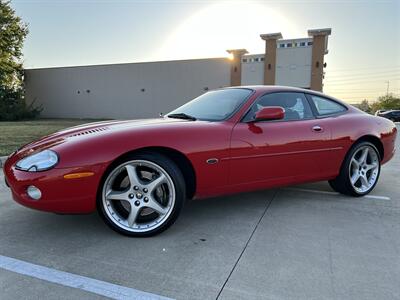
(34, 192)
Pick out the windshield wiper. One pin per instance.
(182, 116)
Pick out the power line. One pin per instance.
(363, 97)
(357, 90)
(358, 87)
(383, 88)
(347, 82)
(383, 77)
(359, 93)
(362, 74)
(366, 68)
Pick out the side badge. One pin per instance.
(212, 161)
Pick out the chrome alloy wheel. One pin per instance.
(364, 169)
(138, 196)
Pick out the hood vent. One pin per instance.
(90, 131)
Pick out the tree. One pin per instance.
(364, 106)
(12, 34)
(386, 102)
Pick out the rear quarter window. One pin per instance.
(326, 106)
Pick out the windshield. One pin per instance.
(214, 105)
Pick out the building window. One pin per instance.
(309, 43)
(289, 45)
(302, 44)
(262, 58)
(281, 45)
(257, 59)
(244, 60)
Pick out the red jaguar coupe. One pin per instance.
(138, 174)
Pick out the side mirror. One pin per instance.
(270, 113)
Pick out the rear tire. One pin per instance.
(141, 195)
(359, 172)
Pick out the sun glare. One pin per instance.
(221, 26)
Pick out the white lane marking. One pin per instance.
(377, 197)
(312, 191)
(95, 286)
(334, 193)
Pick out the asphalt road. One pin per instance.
(302, 242)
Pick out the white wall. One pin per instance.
(114, 91)
(293, 66)
(252, 70)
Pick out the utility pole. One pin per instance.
(387, 88)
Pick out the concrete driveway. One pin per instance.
(302, 242)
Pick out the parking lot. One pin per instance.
(300, 242)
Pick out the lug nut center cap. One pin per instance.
(139, 195)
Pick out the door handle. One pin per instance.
(317, 128)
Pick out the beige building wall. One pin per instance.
(137, 90)
(236, 66)
(320, 48)
(270, 56)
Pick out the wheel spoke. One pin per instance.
(364, 181)
(156, 182)
(114, 195)
(371, 166)
(363, 157)
(132, 174)
(133, 214)
(355, 163)
(153, 204)
(354, 178)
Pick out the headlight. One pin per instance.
(41, 161)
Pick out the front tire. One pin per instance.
(359, 172)
(142, 195)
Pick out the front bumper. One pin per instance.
(59, 195)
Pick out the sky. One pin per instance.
(364, 49)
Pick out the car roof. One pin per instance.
(281, 88)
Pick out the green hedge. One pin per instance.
(13, 106)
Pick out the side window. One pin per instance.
(326, 107)
(295, 105)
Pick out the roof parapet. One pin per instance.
(237, 51)
(271, 36)
(322, 31)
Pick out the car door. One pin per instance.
(278, 151)
(332, 117)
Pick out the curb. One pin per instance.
(2, 161)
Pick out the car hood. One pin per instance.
(114, 125)
(92, 129)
